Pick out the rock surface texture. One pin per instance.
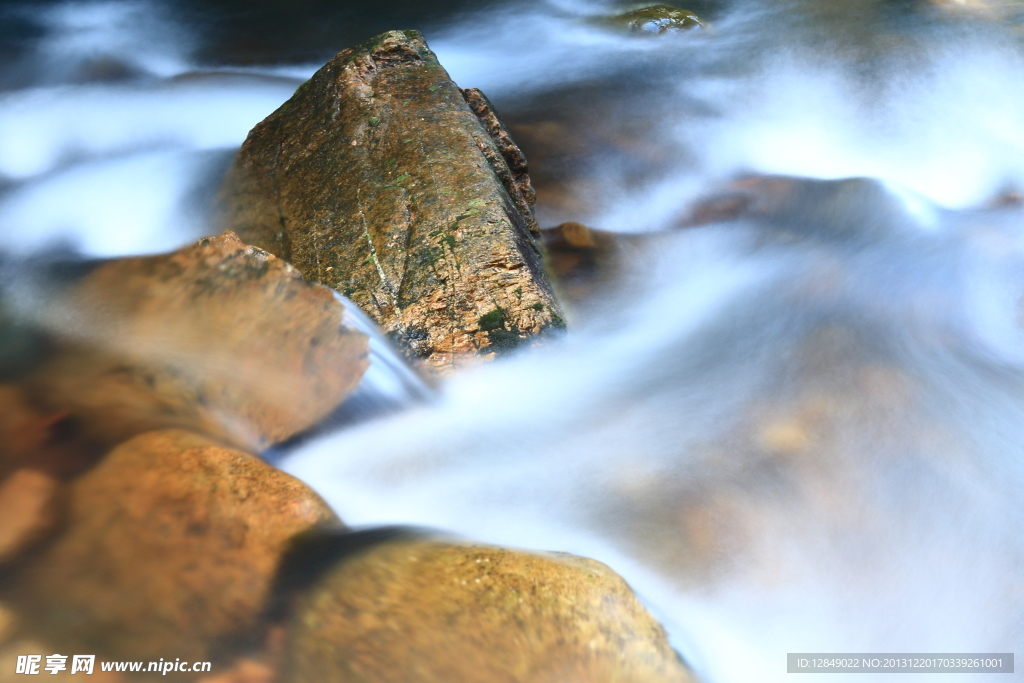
(220, 338)
(30, 511)
(431, 611)
(171, 548)
(385, 181)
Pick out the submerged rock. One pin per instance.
(171, 548)
(413, 609)
(581, 260)
(589, 265)
(657, 19)
(577, 254)
(985, 9)
(845, 210)
(385, 181)
(219, 338)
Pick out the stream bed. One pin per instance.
(795, 428)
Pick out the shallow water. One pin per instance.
(797, 431)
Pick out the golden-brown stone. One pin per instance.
(171, 547)
(8, 623)
(219, 338)
(431, 611)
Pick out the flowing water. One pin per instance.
(796, 430)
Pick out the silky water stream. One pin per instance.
(799, 428)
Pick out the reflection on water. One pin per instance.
(796, 428)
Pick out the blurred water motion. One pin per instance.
(793, 427)
(807, 431)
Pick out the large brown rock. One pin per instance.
(384, 180)
(432, 611)
(220, 338)
(171, 549)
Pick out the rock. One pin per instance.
(22, 346)
(576, 251)
(581, 260)
(721, 207)
(574, 133)
(8, 622)
(33, 437)
(424, 610)
(30, 511)
(383, 180)
(768, 198)
(256, 666)
(588, 266)
(985, 9)
(517, 179)
(657, 20)
(793, 458)
(844, 210)
(171, 548)
(219, 338)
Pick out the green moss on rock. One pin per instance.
(492, 320)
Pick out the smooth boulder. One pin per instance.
(416, 609)
(220, 338)
(171, 548)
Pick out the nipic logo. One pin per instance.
(83, 664)
(30, 664)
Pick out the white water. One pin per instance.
(801, 433)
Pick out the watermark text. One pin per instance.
(34, 665)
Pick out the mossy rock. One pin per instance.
(384, 180)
